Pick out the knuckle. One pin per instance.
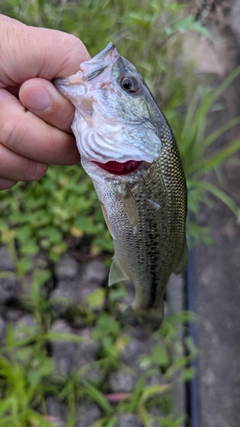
(73, 48)
(34, 171)
(10, 132)
(5, 184)
(78, 45)
(14, 131)
(66, 122)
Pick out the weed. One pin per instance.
(61, 210)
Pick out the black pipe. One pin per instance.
(192, 386)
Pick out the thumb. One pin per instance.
(41, 98)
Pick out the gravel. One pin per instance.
(74, 282)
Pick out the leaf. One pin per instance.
(192, 349)
(145, 417)
(98, 397)
(220, 131)
(221, 195)
(214, 160)
(63, 337)
(96, 298)
(134, 401)
(188, 373)
(153, 390)
(159, 355)
(106, 325)
(189, 23)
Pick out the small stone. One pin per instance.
(133, 349)
(8, 288)
(95, 272)
(6, 261)
(56, 409)
(86, 355)
(2, 328)
(121, 381)
(12, 315)
(63, 351)
(154, 417)
(87, 414)
(67, 293)
(67, 268)
(23, 325)
(87, 349)
(155, 379)
(129, 420)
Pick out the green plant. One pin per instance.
(41, 216)
(40, 221)
(198, 153)
(28, 374)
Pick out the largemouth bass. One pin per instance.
(128, 150)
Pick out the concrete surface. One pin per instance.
(218, 307)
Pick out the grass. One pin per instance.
(28, 376)
(43, 220)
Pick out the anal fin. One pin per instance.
(116, 273)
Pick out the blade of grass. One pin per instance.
(221, 195)
(226, 82)
(98, 397)
(215, 160)
(61, 336)
(133, 403)
(145, 417)
(152, 391)
(218, 132)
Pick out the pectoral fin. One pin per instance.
(104, 211)
(130, 206)
(116, 273)
(183, 261)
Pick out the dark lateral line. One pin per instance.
(153, 291)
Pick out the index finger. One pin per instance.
(28, 52)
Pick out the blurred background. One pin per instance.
(64, 358)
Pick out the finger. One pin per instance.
(27, 135)
(49, 53)
(18, 168)
(42, 98)
(5, 184)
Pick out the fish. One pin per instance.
(129, 151)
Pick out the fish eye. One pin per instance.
(129, 84)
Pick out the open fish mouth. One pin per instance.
(117, 168)
(110, 131)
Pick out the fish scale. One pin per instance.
(129, 151)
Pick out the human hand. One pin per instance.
(35, 119)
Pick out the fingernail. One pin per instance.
(37, 99)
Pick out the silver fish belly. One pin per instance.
(129, 151)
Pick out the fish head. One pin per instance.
(116, 119)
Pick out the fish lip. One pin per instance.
(118, 168)
(107, 57)
(108, 49)
(77, 85)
